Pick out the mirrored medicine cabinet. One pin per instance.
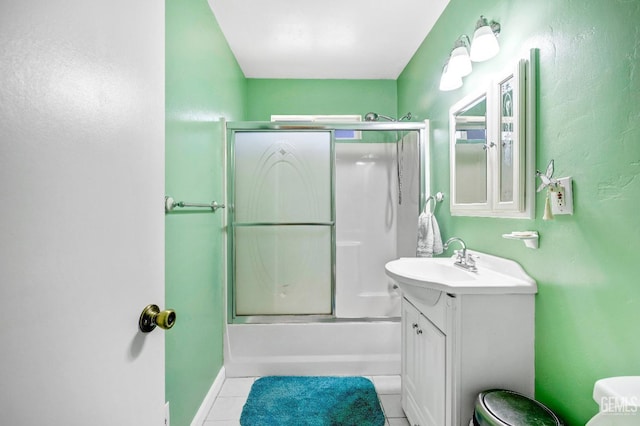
(492, 146)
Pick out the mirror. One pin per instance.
(471, 152)
(492, 147)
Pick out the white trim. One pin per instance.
(209, 399)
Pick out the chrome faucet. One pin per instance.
(463, 260)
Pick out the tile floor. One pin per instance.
(228, 405)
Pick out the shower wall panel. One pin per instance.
(371, 227)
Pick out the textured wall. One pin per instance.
(203, 84)
(273, 96)
(588, 306)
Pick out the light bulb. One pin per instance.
(484, 46)
(449, 81)
(459, 62)
(485, 43)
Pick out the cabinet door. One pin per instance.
(423, 368)
(411, 359)
(509, 152)
(432, 349)
(492, 147)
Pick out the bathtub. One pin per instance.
(368, 347)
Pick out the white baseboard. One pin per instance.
(209, 399)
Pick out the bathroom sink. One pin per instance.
(625, 389)
(426, 277)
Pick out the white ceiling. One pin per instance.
(320, 39)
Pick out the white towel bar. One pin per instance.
(170, 204)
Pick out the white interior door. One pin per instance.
(81, 223)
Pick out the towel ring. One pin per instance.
(434, 199)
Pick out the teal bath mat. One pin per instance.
(312, 401)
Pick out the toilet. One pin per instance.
(619, 401)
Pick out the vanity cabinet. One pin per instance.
(459, 345)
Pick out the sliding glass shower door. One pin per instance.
(282, 219)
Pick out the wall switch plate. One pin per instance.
(561, 196)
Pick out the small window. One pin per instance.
(339, 133)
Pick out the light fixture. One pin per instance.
(484, 46)
(485, 43)
(448, 80)
(459, 61)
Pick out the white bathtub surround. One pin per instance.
(335, 348)
(371, 226)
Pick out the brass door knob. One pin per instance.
(152, 316)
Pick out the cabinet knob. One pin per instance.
(419, 331)
(414, 325)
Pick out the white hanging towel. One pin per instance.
(429, 239)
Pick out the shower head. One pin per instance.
(373, 116)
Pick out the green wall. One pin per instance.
(274, 96)
(203, 84)
(588, 305)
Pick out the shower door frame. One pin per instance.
(266, 126)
